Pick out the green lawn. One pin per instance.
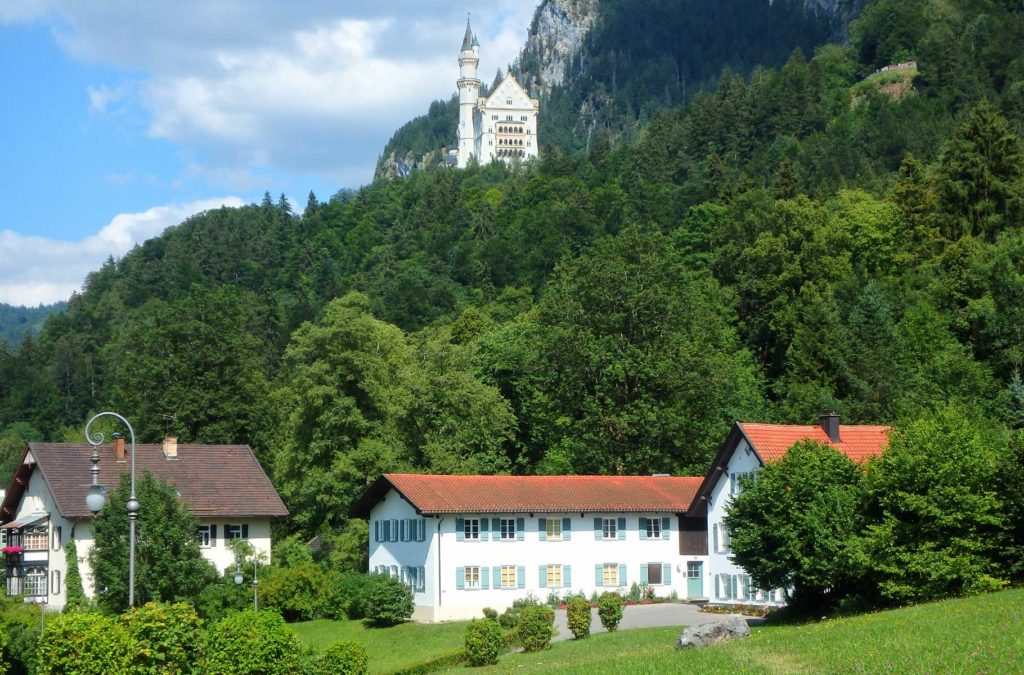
(388, 649)
(983, 634)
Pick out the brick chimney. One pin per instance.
(829, 422)
(171, 447)
(119, 447)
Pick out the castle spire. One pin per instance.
(469, 39)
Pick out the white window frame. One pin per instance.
(553, 529)
(611, 579)
(34, 582)
(609, 529)
(471, 529)
(232, 532)
(655, 567)
(507, 529)
(554, 574)
(471, 576)
(39, 537)
(204, 535)
(509, 577)
(653, 528)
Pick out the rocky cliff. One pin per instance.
(556, 36)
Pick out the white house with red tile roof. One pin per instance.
(468, 542)
(748, 447)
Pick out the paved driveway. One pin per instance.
(646, 616)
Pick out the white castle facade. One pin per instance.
(500, 126)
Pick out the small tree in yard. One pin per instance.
(251, 643)
(484, 640)
(536, 627)
(796, 526)
(168, 562)
(388, 601)
(609, 610)
(167, 637)
(578, 615)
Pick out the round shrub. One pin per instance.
(167, 636)
(536, 627)
(251, 642)
(343, 658)
(609, 610)
(577, 612)
(388, 601)
(83, 643)
(484, 641)
(490, 613)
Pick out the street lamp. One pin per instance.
(95, 499)
(239, 578)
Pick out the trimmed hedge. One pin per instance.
(484, 641)
(344, 658)
(578, 615)
(536, 627)
(251, 642)
(84, 643)
(609, 610)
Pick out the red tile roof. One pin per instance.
(214, 480)
(543, 494)
(858, 442)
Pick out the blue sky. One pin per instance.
(123, 118)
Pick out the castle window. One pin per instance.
(494, 117)
(508, 101)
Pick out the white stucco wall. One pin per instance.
(442, 554)
(743, 460)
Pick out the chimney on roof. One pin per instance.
(119, 447)
(829, 422)
(171, 447)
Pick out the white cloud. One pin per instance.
(315, 86)
(36, 270)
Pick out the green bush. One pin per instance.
(296, 592)
(536, 627)
(388, 601)
(345, 595)
(167, 637)
(578, 615)
(83, 643)
(343, 658)
(251, 642)
(484, 641)
(609, 610)
(490, 613)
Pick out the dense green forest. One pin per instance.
(777, 246)
(639, 57)
(17, 321)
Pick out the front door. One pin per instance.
(695, 579)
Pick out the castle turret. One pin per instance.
(469, 93)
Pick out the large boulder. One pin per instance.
(727, 628)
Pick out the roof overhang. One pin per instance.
(718, 467)
(372, 495)
(12, 497)
(25, 521)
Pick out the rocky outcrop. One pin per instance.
(839, 12)
(556, 35)
(729, 628)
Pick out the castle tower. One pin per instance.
(469, 93)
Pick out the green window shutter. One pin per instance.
(622, 575)
(643, 573)
(376, 530)
(598, 577)
(566, 529)
(567, 576)
(460, 530)
(520, 529)
(597, 528)
(496, 528)
(213, 535)
(542, 528)
(521, 577)
(245, 531)
(421, 534)
(543, 576)
(622, 528)
(484, 573)
(714, 532)
(496, 572)
(643, 528)
(403, 526)
(421, 579)
(394, 530)
(483, 529)
(666, 528)
(666, 574)
(460, 578)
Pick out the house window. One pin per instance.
(232, 532)
(609, 530)
(55, 582)
(471, 529)
(508, 529)
(508, 101)
(56, 540)
(508, 576)
(35, 581)
(652, 527)
(35, 539)
(654, 573)
(204, 536)
(554, 576)
(554, 529)
(3, 537)
(610, 574)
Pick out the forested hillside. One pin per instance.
(17, 321)
(778, 246)
(640, 56)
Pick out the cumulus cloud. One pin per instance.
(315, 86)
(36, 270)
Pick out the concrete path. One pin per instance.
(646, 616)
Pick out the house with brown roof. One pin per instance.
(747, 448)
(44, 507)
(463, 543)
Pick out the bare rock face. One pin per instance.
(556, 35)
(729, 628)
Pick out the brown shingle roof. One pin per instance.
(214, 480)
(544, 494)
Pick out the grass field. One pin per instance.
(388, 649)
(983, 634)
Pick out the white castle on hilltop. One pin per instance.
(502, 125)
